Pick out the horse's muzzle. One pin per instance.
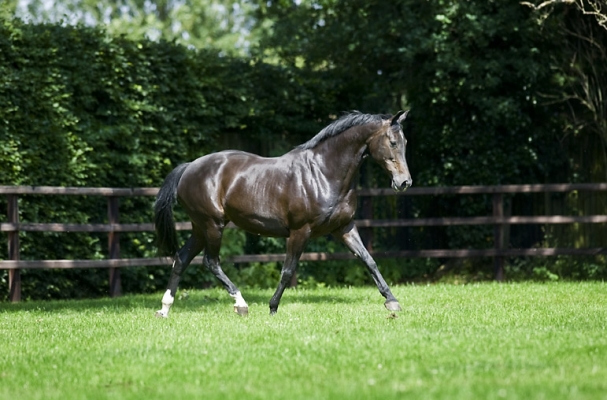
(403, 186)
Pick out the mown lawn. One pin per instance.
(485, 341)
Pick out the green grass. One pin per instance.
(486, 341)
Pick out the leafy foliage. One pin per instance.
(472, 74)
(81, 107)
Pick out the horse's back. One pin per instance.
(222, 168)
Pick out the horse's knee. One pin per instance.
(210, 262)
(213, 267)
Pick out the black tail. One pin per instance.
(166, 235)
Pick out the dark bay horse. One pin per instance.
(306, 193)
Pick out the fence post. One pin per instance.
(114, 246)
(14, 275)
(498, 236)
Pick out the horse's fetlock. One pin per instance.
(168, 299)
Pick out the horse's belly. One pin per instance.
(262, 228)
(256, 220)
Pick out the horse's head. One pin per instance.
(387, 147)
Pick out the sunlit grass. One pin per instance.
(488, 341)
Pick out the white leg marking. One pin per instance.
(167, 302)
(239, 301)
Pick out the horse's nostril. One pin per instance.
(403, 186)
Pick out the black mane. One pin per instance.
(345, 122)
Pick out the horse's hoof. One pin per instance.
(242, 311)
(392, 305)
(161, 314)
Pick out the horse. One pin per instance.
(305, 193)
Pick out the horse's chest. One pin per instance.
(336, 216)
(341, 212)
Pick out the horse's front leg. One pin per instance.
(352, 240)
(295, 246)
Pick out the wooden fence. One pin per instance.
(499, 251)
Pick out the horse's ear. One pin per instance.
(399, 117)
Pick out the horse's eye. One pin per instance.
(393, 145)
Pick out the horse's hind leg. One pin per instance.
(183, 258)
(213, 235)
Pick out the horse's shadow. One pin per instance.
(185, 301)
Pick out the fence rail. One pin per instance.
(114, 228)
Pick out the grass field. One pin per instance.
(486, 341)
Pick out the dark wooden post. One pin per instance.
(498, 236)
(14, 275)
(114, 246)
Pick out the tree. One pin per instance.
(578, 98)
(581, 80)
(222, 25)
(471, 72)
(594, 8)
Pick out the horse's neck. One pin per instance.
(343, 154)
